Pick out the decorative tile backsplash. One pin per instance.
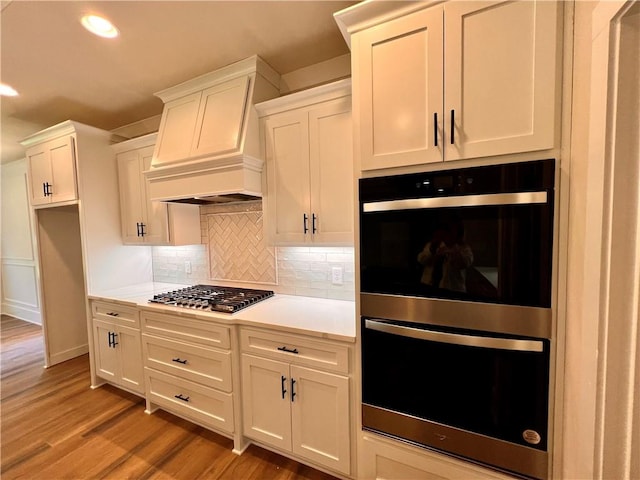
(238, 250)
(234, 250)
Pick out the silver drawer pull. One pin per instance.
(177, 360)
(180, 397)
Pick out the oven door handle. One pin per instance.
(456, 338)
(518, 198)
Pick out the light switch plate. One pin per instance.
(187, 266)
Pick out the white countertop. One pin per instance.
(320, 317)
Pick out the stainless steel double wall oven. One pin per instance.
(455, 273)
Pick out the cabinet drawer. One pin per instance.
(204, 405)
(208, 366)
(193, 331)
(296, 350)
(119, 314)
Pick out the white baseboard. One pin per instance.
(23, 313)
(67, 355)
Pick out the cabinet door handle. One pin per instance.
(113, 314)
(453, 125)
(142, 232)
(435, 129)
(180, 397)
(137, 229)
(110, 339)
(283, 379)
(44, 189)
(293, 393)
(49, 189)
(114, 339)
(177, 360)
(285, 349)
(314, 217)
(305, 222)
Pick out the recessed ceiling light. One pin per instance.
(99, 26)
(7, 91)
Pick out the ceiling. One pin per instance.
(63, 72)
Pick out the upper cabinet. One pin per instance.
(146, 222)
(455, 81)
(51, 166)
(309, 153)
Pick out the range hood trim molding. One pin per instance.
(242, 175)
(244, 162)
(247, 67)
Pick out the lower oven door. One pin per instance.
(479, 396)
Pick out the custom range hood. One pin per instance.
(208, 147)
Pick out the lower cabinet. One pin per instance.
(185, 373)
(383, 458)
(117, 351)
(297, 409)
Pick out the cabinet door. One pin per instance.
(105, 353)
(288, 195)
(39, 168)
(265, 401)
(500, 70)
(177, 126)
(129, 347)
(320, 418)
(131, 197)
(331, 172)
(155, 213)
(399, 90)
(221, 118)
(63, 169)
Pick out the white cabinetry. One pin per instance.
(308, 149)
(295, 395)
(146, 222)
(381, 458)
(188, 369)
(499, 62)
(117, 349)
(80, 248)
(52, 171)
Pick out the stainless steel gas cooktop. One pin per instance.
(212, 298)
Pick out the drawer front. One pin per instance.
(204, 365)
(296, 350)
(118, 314)
(201, 332)
(204, 405)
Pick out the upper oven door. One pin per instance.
(481, 234)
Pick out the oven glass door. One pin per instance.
(490, 385)
(484, 253)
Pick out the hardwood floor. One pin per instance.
(53, 426)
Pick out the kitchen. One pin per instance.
(578, 385)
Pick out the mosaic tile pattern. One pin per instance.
(238, 249)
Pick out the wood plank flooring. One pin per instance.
(53, 426)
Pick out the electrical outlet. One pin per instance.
(187, 266)
(336, 275)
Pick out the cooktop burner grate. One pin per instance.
(212, 298)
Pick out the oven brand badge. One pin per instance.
(531, 436)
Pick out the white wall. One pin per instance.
(19, 266)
